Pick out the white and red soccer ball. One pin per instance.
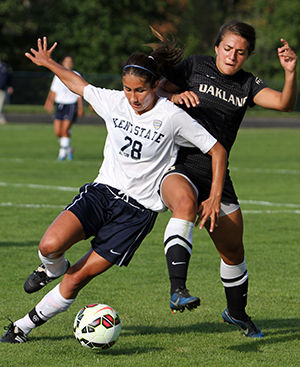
(97, 326)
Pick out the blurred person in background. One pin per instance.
(5, 87)
(68, 106)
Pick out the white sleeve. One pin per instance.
(54, 85)
(100, 99)
(189, 132)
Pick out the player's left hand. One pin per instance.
(41, 56)
(209, 210)
(287, 56)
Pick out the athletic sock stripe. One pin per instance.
(35, 318)
(177, 236)
(236, 279)
(178, 241)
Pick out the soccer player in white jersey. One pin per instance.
(119, 209)
(68, 106)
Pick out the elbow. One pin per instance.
(286, 109)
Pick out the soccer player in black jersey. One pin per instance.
(217, 91)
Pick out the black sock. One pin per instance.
(178, 261)
(237, 300)
(178, 247)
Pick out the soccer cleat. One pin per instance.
(13, 334)
(70, 154)
(39, 278)
(248, 326)
(181, 299)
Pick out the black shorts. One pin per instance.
(66, 111)
(196, 166)
(118, 223)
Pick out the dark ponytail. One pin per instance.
(152, 67)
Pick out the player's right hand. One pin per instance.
(41, 56)
(189, 98)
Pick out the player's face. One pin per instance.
(141, 96)
(231, 53)
(68, 63)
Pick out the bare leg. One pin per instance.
(64, 231)
(62, 130)
(228, 238)
(81, 273)
(180, 197)
(57, 127)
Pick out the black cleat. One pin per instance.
(13, 335)
(181, 299)
(38, 279)
(248, 326)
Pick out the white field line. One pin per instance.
(60, 207)
(267, 170)
(268, 203)
(33, 206)
(48, 161)
(43, 187)
(240, 169)
(271, 211)
(75, 189)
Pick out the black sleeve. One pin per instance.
(257, 85)
(181, 73)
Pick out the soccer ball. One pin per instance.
(97, 326)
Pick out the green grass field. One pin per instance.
(34, 187)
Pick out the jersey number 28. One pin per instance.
(135, 147)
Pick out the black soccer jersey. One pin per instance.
(223, 99)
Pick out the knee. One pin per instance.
(234, 254)
(49, 246)
(186, 206)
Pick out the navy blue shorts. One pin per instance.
(118, 223)
(66, 111)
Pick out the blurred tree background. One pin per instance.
(101, 34)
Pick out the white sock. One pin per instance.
(25, 324)
(52, 304)
(64, 143)
(177, 228)
(233, 275)
(55, 267)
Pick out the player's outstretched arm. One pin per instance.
(42, 57)
(286, 99)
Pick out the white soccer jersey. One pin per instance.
(140, 148)
(63, 95)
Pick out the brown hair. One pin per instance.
(241, 29)
(151, 67)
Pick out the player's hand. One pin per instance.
(188, 98)
(42, 55)
(209, 210)
(48, 107)
(80, 112)
(287, 56)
